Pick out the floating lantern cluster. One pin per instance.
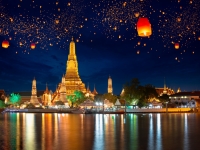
(5, 44)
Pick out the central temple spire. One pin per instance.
(72, 48)
(72, 79)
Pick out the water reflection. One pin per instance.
(99, 132)
(80, 131)
(186, 132)
(29, 133)
(151, 131)
(158, 135)
(132, 127)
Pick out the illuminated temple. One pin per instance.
(71, 81)
(72, 78)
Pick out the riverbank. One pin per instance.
(159, 110)
(121, 111)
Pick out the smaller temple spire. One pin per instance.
(95, 91)
(88, 87)
(179, 90)
(110, 89)
(63, 79)
(34, 99)
(47, 90)
(165, 89)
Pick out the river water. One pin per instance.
(56, 131)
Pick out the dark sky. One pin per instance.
(106, 43)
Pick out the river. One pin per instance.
(57, 131)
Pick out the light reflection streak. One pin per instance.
(134, 130)
(105, 119)
(99, 132)
(82, 122)
(158, 134)
(122, 120)
(18, 132)
(29, 137)
(186, 132)
(43, 131)
(56, 122)
(122, 129)
(151, 131)
(6, 129)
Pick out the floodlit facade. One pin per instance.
(186, 99)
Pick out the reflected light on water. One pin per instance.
(18, 132)
(43, 131)
(52, 131)
(158, 135)
(151, 131)
(134, 131)
(99, 133)
(55, 128)
(29, 134)
(186, 132)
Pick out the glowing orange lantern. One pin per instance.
(176, 45)
(32, 45)
(144, 27)
(5, 44)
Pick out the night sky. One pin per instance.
(107, 43)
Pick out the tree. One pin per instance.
(149, 93)
(98, 97)
(164, 98)
(2, 104)
(77, 98)
(80, 98)
(111, 97)
(141, 102)
(132, 91)
(15, 98)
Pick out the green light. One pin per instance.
(14, 98)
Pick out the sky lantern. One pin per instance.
(144, 27)
(137, 14)
(176, 45)
(32, 45)
(5, 44)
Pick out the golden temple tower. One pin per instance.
(110, 89)
(72, 78)
(34, 99)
